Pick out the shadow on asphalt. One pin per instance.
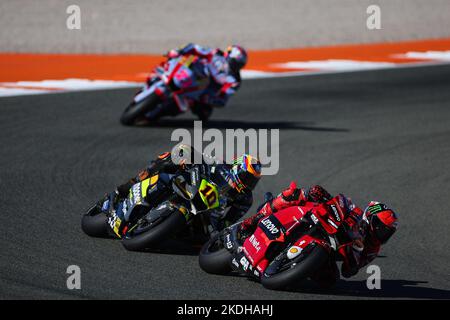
(176, 247)
(403, 289)
(238, 124)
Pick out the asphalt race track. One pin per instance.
(382, 135)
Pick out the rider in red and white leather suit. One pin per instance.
(222, 67)
(367, 229)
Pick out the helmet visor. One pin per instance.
(248, 180)
(382, 232)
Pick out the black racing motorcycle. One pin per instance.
(158, 208)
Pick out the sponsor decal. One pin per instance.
(136, 190)
(293, 252)
(114, 222)
(314, 219)
(255, 243)
(228, 243)
(332, 223)
(377, 208)
(194, 177)
(336, 213)
(271, 227)
(245, 264)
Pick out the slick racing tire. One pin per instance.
(134, 111)
(147, 237)
(95, 225)
(214, 258)
(299, 268)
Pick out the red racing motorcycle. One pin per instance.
(286, 247)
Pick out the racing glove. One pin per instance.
(318, 194)
(292, 196)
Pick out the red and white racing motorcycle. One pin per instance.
(286, 247)
(179, 81)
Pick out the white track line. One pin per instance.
(308, 68)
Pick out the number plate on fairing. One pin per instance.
(209, 194)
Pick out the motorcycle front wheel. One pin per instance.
(214, 257)
(148, 236)
(134, 111)
(95, 224)
(293, 271)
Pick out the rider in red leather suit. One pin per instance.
(367, 230)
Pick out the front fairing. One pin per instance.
(156, 86)
(233, 243)
(178, 80)
(134, 205)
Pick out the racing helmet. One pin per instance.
(236, 57)
(183, 154)
(245, 173)
(382, 221)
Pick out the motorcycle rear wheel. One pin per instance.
(134, 111)
(302, 269)
(214, 258)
